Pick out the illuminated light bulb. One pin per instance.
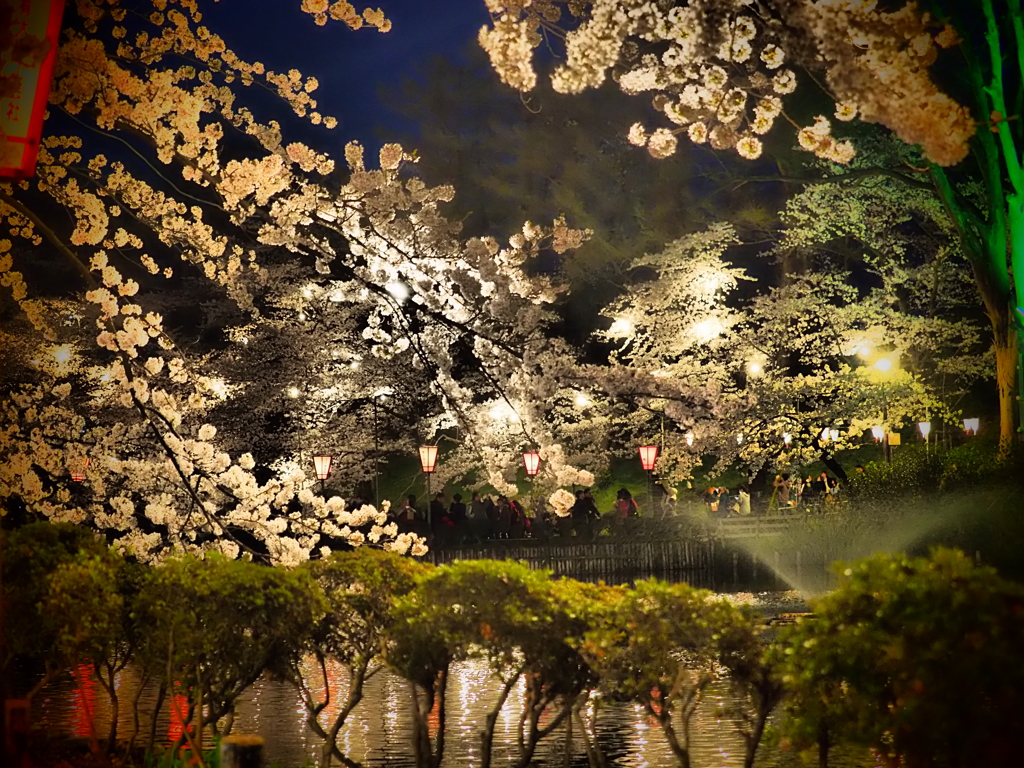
(302, 315)
(739, 438)
(503, 412)
(293, 392)
(62, 353)
(307, 291)
(883, 364)
(582, 400)
(706, 330)
(621, 328)
(398, 291)
(689, 438)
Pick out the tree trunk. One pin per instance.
(160, 694)
(1005, 345)
(682, 753)
(837, 469)
(442, 689)
(823, 745)
(487, 737)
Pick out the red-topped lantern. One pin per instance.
(32, 33)
(78, 473)
(428, 458)
(531, 461)
(322, 467)
(648, 457)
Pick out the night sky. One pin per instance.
(350, 65)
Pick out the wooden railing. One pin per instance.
(594, 559)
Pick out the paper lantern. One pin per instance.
(35, 29)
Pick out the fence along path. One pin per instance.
(698, 550)
(594, 558)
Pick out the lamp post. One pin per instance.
(648, 458)
(926, 428)
(884, 365)
(531, 462)
(322, 469)
(428, 463)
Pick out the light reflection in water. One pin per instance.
(379, 730)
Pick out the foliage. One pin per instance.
(938, 469)
(33, 556)
(279, 252)
(514, 618)
(656, 644)
(214, 625)
(720, 73)
(916, 658)
(359, 589)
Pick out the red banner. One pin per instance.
(29, 36)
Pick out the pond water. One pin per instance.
(379, 731)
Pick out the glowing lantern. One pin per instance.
(34, 31)
(428, 458)
(322, 467)
(648, 456)
(78, 473)
(531, 461)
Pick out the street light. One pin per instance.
(648, 459)
(885, 366)
(428, 463)
(971, 425)
(878, 432)
(322, 468)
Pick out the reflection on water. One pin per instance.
(379, 731)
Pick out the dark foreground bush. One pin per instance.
(918, 659)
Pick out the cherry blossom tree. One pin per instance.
(776, 378)
(724, 73)
(152, 169)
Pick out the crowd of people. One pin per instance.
(789, 493)
(499, 517)
(488, 516)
